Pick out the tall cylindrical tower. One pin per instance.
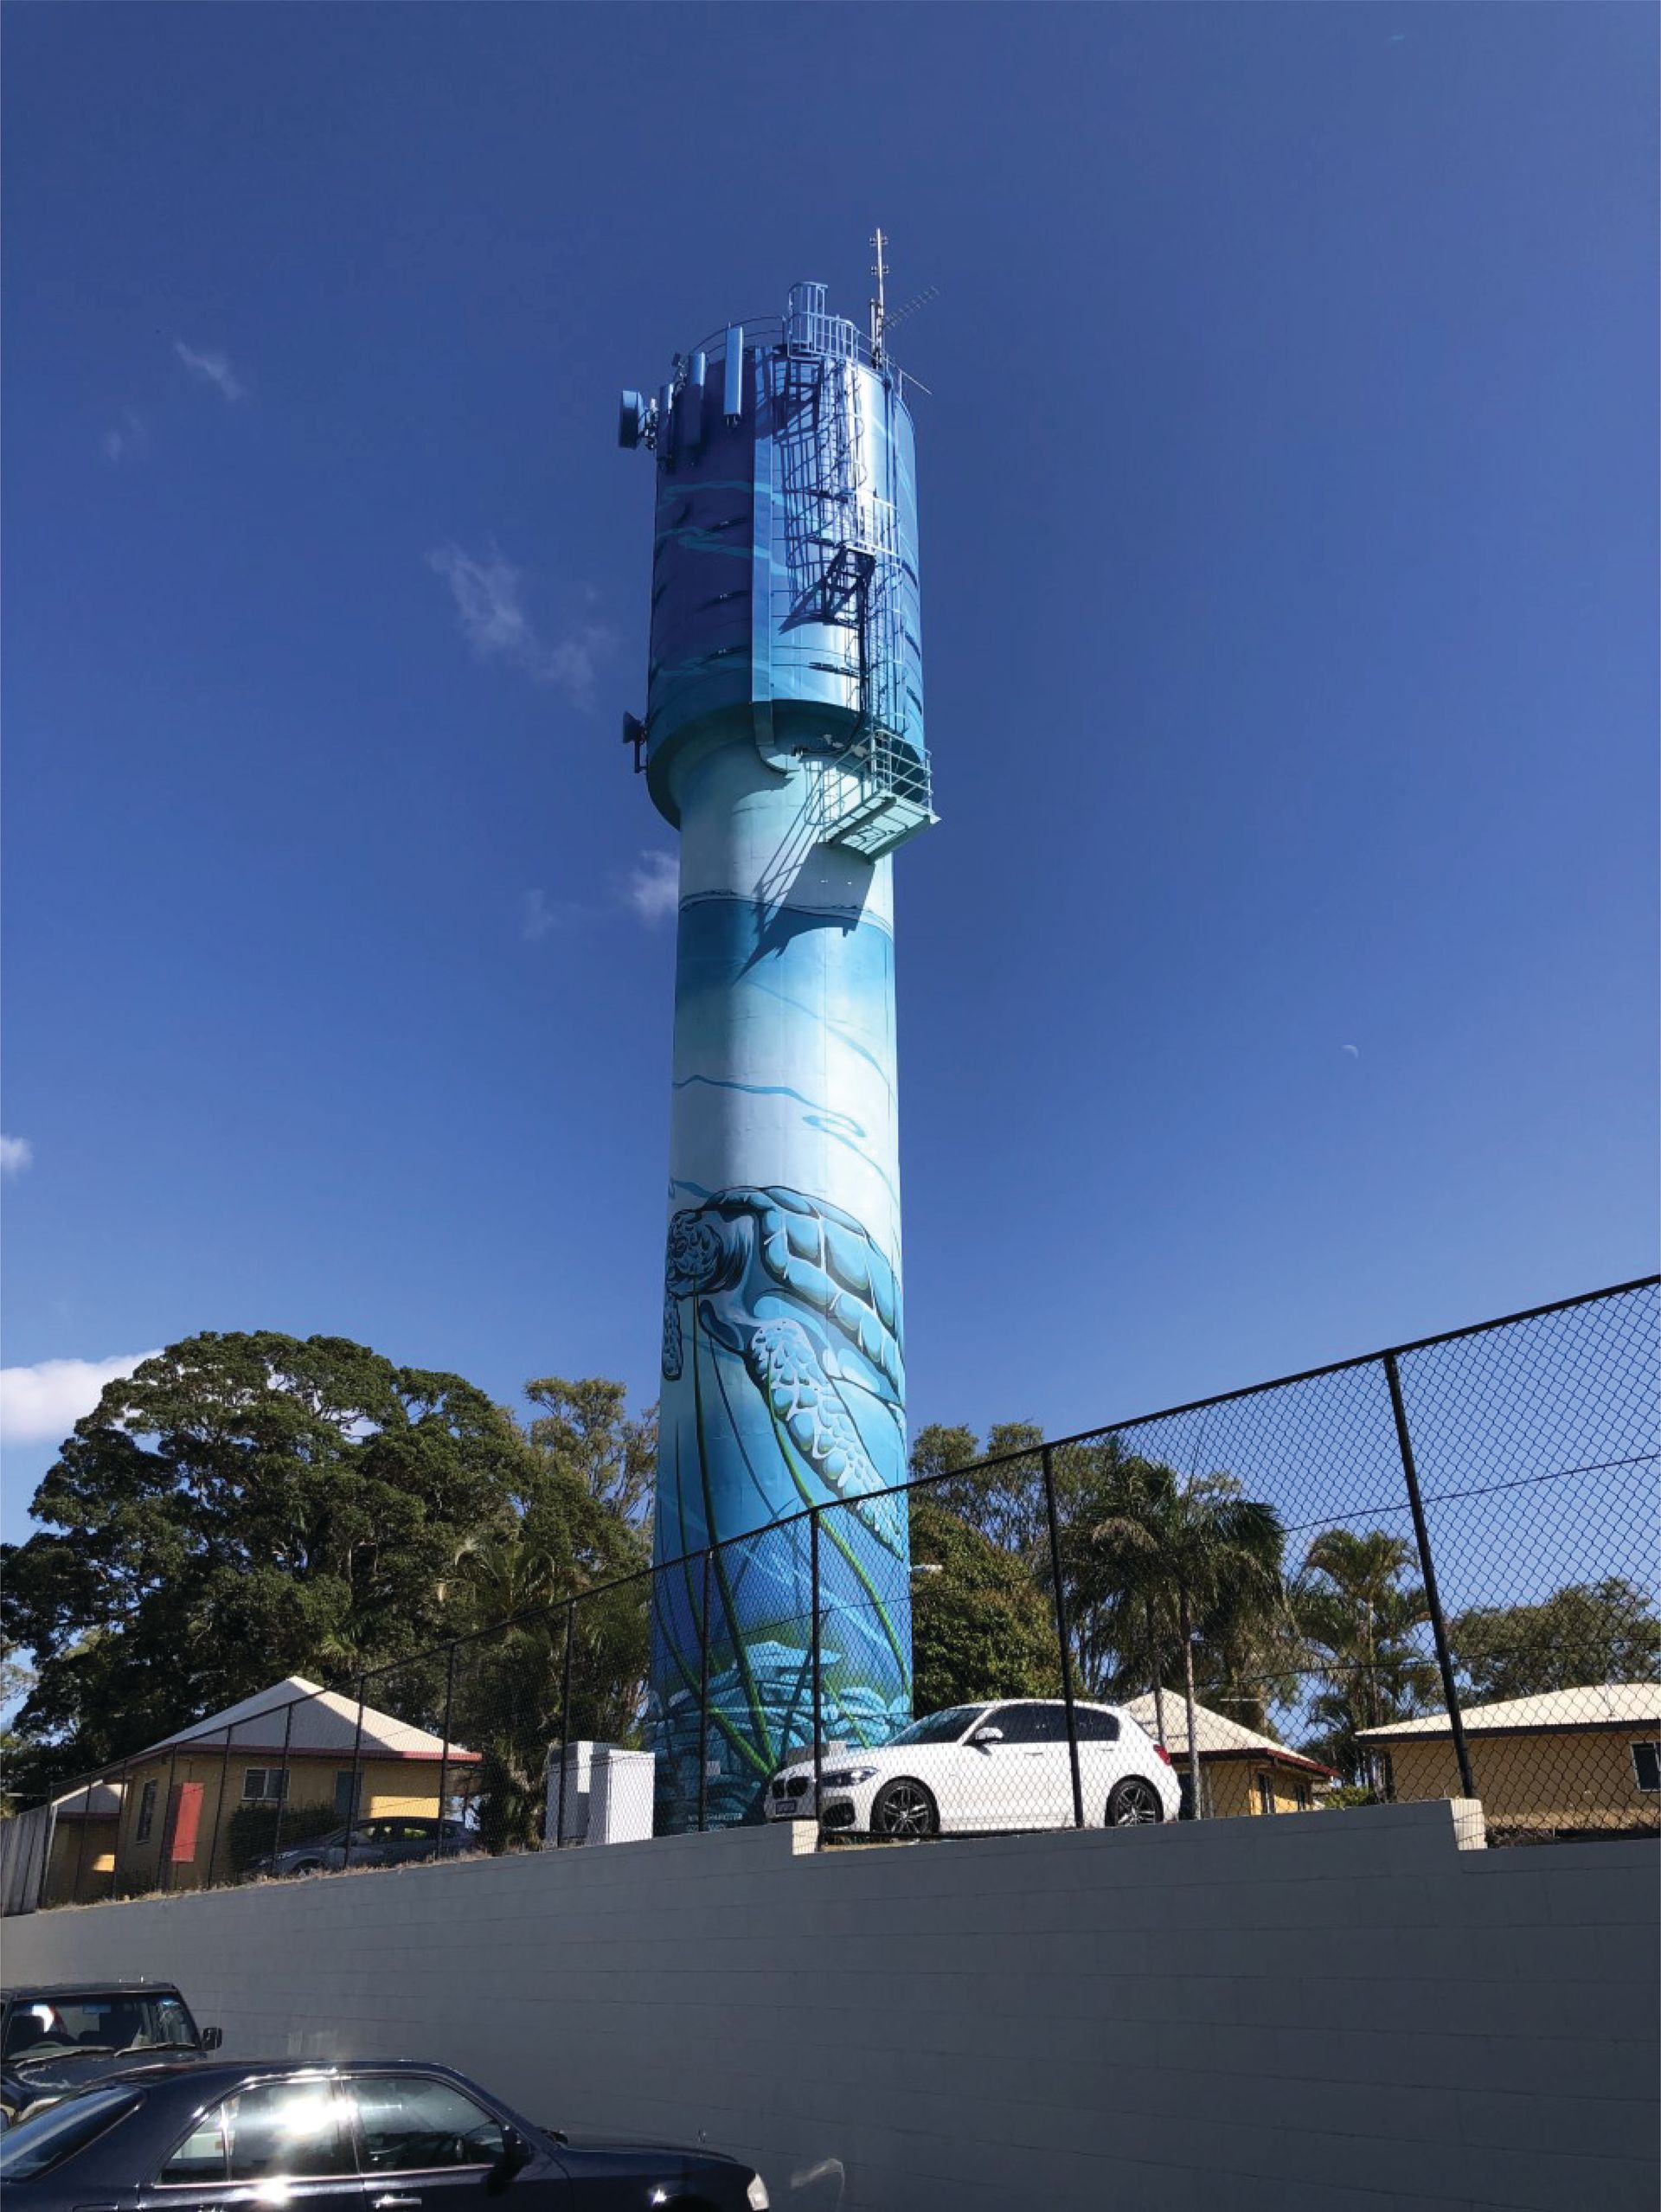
(784, 739)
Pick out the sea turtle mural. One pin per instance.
(785, 1316)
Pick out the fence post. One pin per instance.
(444, 1756)
(818, 1681)
(1064, 1634)
(1428, 1568)
(704, 1699)
(165, 1868)
(81, 1850)
(565, 1722)
(219, 1813)
(123, 1820)
(282, 1783)
(358, 1762)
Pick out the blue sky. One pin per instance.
(1280, 981)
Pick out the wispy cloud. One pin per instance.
(488, 593)
(541, 916)
(128, 439)
(41, 1404)
(654, 886)
(214, 368)
(15, 1154)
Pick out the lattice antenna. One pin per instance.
(918, 299)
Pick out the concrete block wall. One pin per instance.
(1332, 2012)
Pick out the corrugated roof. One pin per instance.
(1598, 1705)
(324, 1721)
(1218, 1734)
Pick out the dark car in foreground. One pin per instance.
(396, 1840)
(365, 2136)
(59, 2037)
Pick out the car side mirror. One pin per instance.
(516, 2153)
(984, 1739)
(212, 2038)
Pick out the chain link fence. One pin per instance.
(1428, 1573)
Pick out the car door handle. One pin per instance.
(396, 2203)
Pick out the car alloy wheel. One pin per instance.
(1134, 1803)
(903, 1808)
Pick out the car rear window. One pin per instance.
(34, 2146)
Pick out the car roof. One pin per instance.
(1096, 1704)
(206, 2076)
(112, 1985)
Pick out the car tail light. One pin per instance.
(1163, 1753)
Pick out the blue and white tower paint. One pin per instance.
(784, 739)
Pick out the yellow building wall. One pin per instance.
(387, 1786)
(78, 1870)
(1577, 1779)
(1232, 1786)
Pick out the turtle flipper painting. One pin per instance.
(781, 1350)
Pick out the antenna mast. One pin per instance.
(879, 305)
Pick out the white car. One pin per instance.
(981, 1769)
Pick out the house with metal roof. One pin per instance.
(1241, 1770)
(305, 1757)
(1566, 1762)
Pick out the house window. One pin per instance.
(146, 1813)
(263, 1784)
(1266, 1793)
(1304, 1798)
(1646, 1765)
(348, 1794)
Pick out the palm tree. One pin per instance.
(1192, 1554)
(1359, 1616)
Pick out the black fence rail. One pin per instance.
(1428, 1573)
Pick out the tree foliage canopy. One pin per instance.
(1585, 1633)
(980, 1626)
(248, 1506)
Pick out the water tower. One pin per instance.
(783, 739)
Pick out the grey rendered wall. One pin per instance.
(1339, 2011)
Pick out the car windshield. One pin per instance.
(940, 1728)
(122, 2020)
(36, 2144)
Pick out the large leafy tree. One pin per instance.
(997, 1487)
(583, 1432)
(980, 1626)
(247, 1506)
(1585, 1633)
(1362, 1616)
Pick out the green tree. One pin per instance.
(1360, 1614)
(584, 1431)
(980, 1626)
(17, 1681)
(247, 1506)
(1584, 1633)
(579, 1532)
(998, 1487)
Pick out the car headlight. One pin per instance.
(756, 2194)
(844, 1778)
